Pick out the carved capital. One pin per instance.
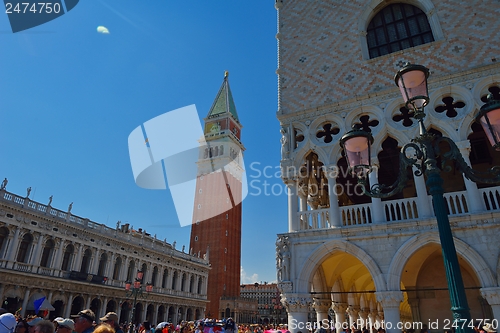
(296, 302)
(492, 295)
(389, 299)
(353, 310)
(321, 304)
(339, 307)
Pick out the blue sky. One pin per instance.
(70, 97)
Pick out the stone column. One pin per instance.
(78, 259)
(424, 206)
(13, 245)
(89, 301)
(302, 203)
(124, 269)
(340, 322)
(111, 264)
(35, 259)
(176, 315)
(293, 221)
(95, 264)
(377, 207)
(322, 305)
(334, 211)
(363, 318)
(67, 310)
(413, 301)
(372, 319)
(353, 312)
(59, 255)
(297, 306)
(155, 313)
(102, 310)
(390, 301)
(25, 302)
(474, 199)
(170, 276)
(149, 273)
(492, 295)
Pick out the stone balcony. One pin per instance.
(396, 210)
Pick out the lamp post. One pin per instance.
(422, 153)
(133, 290)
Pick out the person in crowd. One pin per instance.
(22, 326)
(7, 323)
(64, 325)
(55, 322)
(111, 318)
(32, 322)
(84, 321)
(146, 327)
(44, 326)
(104, 328)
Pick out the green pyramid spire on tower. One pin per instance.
(224, 103)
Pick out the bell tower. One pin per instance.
(216, 228)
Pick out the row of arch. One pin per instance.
(65, 306)
(167, 278)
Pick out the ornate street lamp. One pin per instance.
(135, 289)
(422, 153)
(489, 118)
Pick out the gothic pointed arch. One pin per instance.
(412, 245)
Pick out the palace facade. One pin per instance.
(76, 263)
(352, 257)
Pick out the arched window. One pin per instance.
(183, 282)
(86, 261)
(67, 258)
(116, 271)
(47, 253)
(164, 280)
(174, 280)
(199, 285)
(397, 27)
(24, 248)
(144, 270)
(154, 277)
(102, 264)
(191, 284)
(131, 271)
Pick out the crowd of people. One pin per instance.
(85, 322)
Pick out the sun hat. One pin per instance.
(35, 321)
(7, 323)
(66, 322)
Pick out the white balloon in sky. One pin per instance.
(102, 30)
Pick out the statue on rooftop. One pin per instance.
(4, 184)
(28, 190)
(70, 207)
(50, 200)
